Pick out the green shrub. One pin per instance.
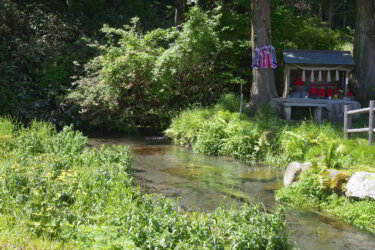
(228, 102)
(8, 126)
(242, 140)
(307, 192)
(217, 131)
(35, 138)
(211, 137)
(66, 142)
(297, 141)
(184, 129)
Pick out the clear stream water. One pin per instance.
(203, 183)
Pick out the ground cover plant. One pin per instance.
(218, 130)
(57, 193)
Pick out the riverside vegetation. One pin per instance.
(220, 130)
(57, 193)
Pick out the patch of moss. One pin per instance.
(150, 150)
(236, 194)
(335, 182)
(274, 186)
(258, 174)
(192, 170)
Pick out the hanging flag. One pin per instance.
(328, 76)
(312, 76)
(303, 76)
(265, 57)
(320, 76)
(337, 75)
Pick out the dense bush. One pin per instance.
(218, 131)
(143, 79)
(54, 188)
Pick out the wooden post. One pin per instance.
(288, 79)
(288, 113)
(284, 90)
(318, 114)
(286, 83)
(347, 121)
(241, 100)
(371, 122)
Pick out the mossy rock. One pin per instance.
(335, 179)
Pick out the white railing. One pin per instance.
(348, 121)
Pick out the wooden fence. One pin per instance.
(348, 121)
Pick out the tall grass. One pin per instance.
(57, 193)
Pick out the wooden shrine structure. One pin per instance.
(317, 79)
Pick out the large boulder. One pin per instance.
(361, 185)
(293, 171)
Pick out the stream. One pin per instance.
(202, 183)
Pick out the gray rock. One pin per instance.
(361, 185)
(293, 171)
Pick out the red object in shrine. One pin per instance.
(322, 92)
(313, 90)
(299, 82)
(349, 93)
(329, 92)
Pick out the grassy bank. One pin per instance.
(220, 130)
(267, 139)
(57, 193)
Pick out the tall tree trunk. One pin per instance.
(330, 13)
(263, 88)
(179, 12)
(321, 12)
(345, 14)
(364, 48)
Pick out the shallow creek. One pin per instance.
(203, 183)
